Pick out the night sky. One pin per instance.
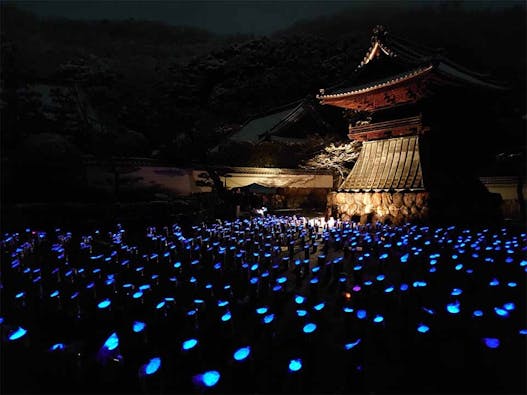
(223, 17)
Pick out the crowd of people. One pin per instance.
(265, 305)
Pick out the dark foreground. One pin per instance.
(268, 305)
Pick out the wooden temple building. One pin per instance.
(422, 119)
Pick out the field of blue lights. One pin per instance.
(267, 305)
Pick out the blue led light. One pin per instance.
(301, 313)
(242, 353)
(189, 344)
(349, 346)
(277, 288)
(160, 305)
(501, 312)
(190, 313)
(459, 266)
(138, 326)
(510, 306)
(112, 342)
(404, 258)
(348, 309)
(314, 280)
(494, 282)
(319, 306)
(299, 299)
(456, 292)
(477, 313)
(57, 347)
(433, 261)
(261, 310)
(193, 279)
(453, 308)
(104, 304)
(422, 328)
(254, 267)
(295, 365)
(404, 287)
(491, 342)
(177, 265)
(368, 283)
(222, 303)
(378, 319)
(144, 287)
(137, 295)
(208, 379)
(19, 295)
(152, 366)
(388, 290)
(522, 331)
(309, 328)
(512, 284)
(54, 293)
(361, 314)
(268, 318)
(380, 277)
(418, 284)
(17, 334)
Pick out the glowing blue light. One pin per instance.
(17, 334)
(152, 366)
(112, 342)
(349, 346)
(309, 328)
(357, 267)
(383, 256)
(422, 328)
(19, 295)
(268, 318)
(522, 331)
(494, 282)
(404, 287)
(301, 313)
(177, 265)
(510, 306)
(138, 326)
(242, 353)
(512, 284)
(254, 280)
(254, 267)
(477, 313)
(319, 306)
(348, 309)
(190, 313)
(453, 308)
(491, 342)
(193, 279)
(523, 263)
(378, 318)
(509, 260)
(299, 299)
(368, 283)
(57, 347)
(295, 365)
(226, 317)
(456, 291)
(314, 280)
(361, 314)
(189, 344)
(208, 379)
(222, 303)
(388, 290)
(104, 304)
(277, 288)
(433, 261)
(1, 320)
(501, 312)
(144, 287)
(261, 310)
(380, 277)
(459, 266)
(54, 293)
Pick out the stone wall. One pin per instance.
(392, 207)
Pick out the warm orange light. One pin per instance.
(347, 295)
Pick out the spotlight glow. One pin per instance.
(226, 317)
(453, 308)
(261, 310)
(378, 318)
(422, 328)
(152, 366)
(112, 342)
(268, 318)
(301, 313)
(104, 304)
